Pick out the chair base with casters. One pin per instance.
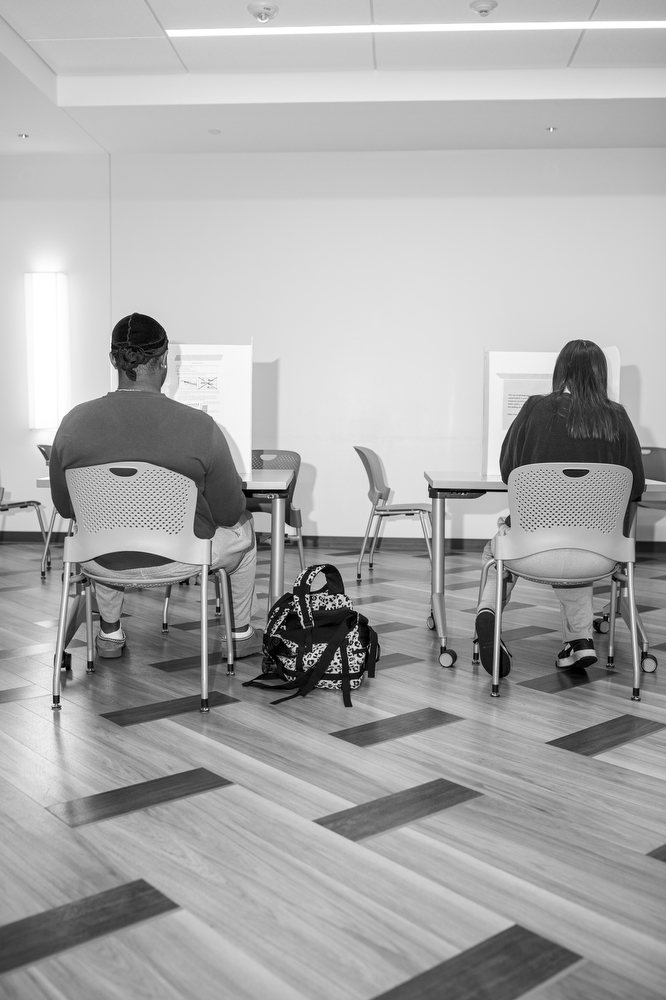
(568, 530)
(378, 495)
(132, 507)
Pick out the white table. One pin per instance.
(443, 486)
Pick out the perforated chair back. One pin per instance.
(577, 509)
(273, 459)
(133, 506)
(379, 488)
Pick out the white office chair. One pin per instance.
(378, 494)
(567, 528)
(138, 507)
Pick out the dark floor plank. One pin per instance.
(117, 802)
(188, 662)
(463, 585)
(213, 623)
(659, 853)
(565, 680)
(606, 735)
(503, 967)
(395, 726)
(392, 627)
(514, 606)
(165, 709)
(371, 600)
(29, 940)
(397, 660)
(19, 693)
(398, 809)
(525, 632)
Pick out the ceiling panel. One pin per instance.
(49, 129)
(629, 10)
(287, 54)
(621, 49)
(109, 56)
(456, 11)
(372, 127)
(79, 18)
(507, 50)
(234, 13)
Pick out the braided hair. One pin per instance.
(137, 340)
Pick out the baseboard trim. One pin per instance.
(343, 542)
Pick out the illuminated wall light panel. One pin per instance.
(47, 329)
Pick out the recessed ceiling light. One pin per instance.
(215, 131)
(552, 128)
(23, 135)
(382, 29)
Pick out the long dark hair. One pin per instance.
(582, 369)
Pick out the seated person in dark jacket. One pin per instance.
(138, 423)
(577, 422)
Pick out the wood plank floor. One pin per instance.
(430, 842)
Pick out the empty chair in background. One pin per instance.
(378, 495)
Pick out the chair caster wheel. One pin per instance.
(430, 622)
(601, 625)
(165, 630)
(447, 658)
(648, 663)
(66, 662)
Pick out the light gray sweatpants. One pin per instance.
(575, 603)
(234, 550)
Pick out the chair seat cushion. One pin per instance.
(566, 567)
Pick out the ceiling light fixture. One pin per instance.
(23, 135)
(388, 29)
(552, 128)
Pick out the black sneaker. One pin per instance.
(485, 633)
(579, 654)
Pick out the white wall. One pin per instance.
(370, 283)
(54, 216)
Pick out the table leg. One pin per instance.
(276, 585)
(447, 657)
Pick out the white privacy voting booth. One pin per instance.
(509, 378)
(217, 378)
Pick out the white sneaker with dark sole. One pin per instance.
(579, 654)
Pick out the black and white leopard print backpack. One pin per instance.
(316, 639)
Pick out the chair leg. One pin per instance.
(494, 692)
(633, 626)
(365, 542)
(165, 610)
(299, 542)
(218, 595)
(203, 590)
(375, 539)
(485, 569)
(90, 649)
(222, 582)
(423, 514)
(46, 558)
(612, 619)
(60, 638)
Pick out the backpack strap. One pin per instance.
(308, 681)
